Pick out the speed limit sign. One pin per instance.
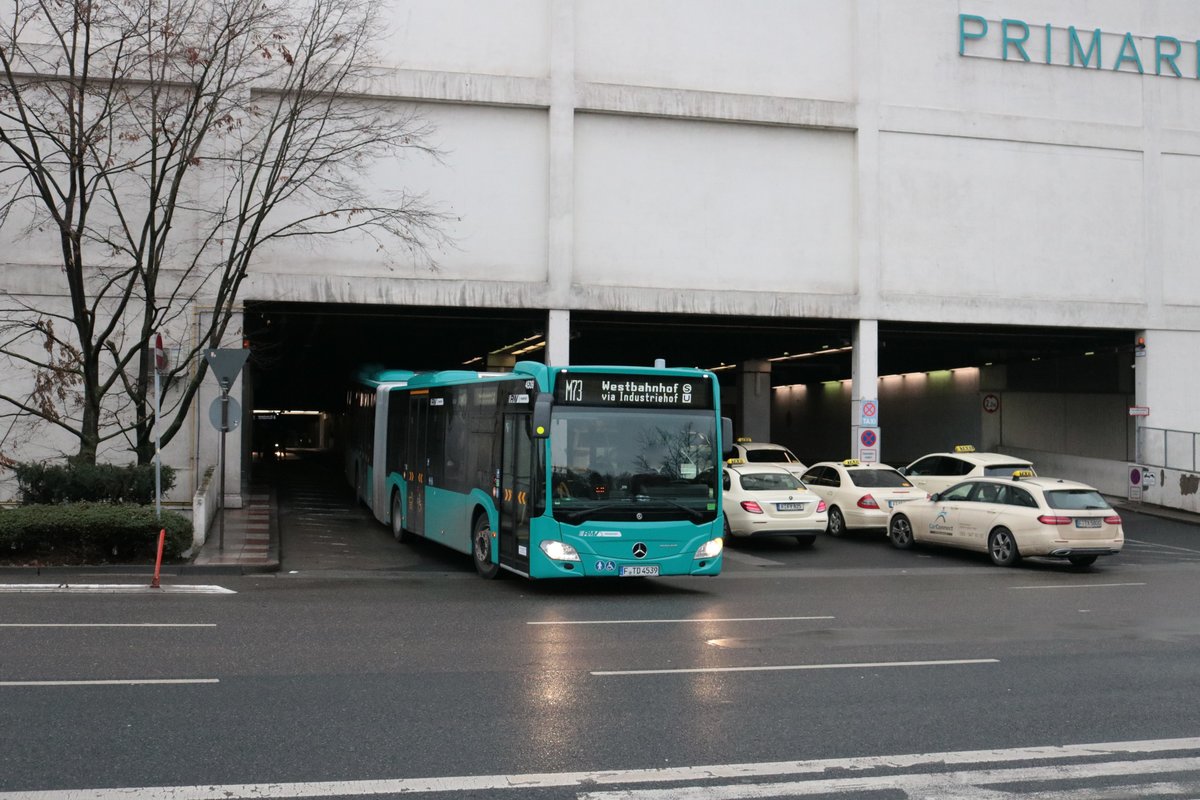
(991, 403)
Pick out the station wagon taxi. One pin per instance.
(761, 500)
(1008, 518)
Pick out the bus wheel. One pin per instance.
(481, 538)
(398, 519)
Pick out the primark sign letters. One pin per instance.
(1087, 48)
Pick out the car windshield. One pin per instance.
(1004, 470)
(617, 463)
(770, 482)
(771, 456)
(1076, 500)
(878, 478)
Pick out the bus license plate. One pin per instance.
(789, 506)
(1087, 522)
(637, 570)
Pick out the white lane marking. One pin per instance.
(745, 558)
(1077, 586)
(529, 781)
(1159, 546)
(965, 785)
(655, 621)
(114, 588)
(124, 682)
(785, 667)
(108, 624)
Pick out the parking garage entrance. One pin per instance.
(787, 380)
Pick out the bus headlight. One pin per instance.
(559, 551)
(710, 549)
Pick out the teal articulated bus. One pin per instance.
(547, 472)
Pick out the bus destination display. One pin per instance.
(644, 391)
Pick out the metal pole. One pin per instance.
(221, 461)
(157, 445)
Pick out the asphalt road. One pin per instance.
(370, 667)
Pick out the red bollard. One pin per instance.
(162, 537)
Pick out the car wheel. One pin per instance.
(398, 531)
(1002, 547)
(807, 540)
(837, 523)
(900, 533)
(1082, 561)
(481, 538)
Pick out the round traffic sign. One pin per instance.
(233, 418)
(1135, 476)
(869, 409)
(868, 438)
(991, 403)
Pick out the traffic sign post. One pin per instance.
(225, 364)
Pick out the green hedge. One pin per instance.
(73, 483)
(90, 533)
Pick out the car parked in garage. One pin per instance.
(1009, 518)
(761, 500)
(859, 495)
(768, 453)
(937, 471)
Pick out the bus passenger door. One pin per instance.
(516, 487)
(417, 466)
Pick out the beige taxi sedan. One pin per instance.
(1009, 518)
(859, 495)
(761, 500)
(938, 471)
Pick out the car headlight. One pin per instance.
(710, 549)
(559, 551)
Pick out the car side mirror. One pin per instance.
(541, 415)
(935, 497)
(902, 470)
(726, 438)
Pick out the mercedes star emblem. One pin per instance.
(639, 550)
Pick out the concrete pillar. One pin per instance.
(558, 337)
(754, 400)
(866, 439)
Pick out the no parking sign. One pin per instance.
(867, 445)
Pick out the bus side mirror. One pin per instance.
(541, 415)
(726, 438)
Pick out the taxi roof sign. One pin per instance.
(744, 439)
(1023, 473)
(964, 448)
(735, 461)
(850, 462)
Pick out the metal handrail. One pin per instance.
(1168, 449)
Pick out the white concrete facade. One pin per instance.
(868, 160)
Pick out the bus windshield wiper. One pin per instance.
(696, 515)
(575, 516)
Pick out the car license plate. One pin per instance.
(637, 570)
(894, 503)
(1087, 522)
(789, 506)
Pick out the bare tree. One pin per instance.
(161, 144)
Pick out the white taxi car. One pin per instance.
(767, 453)
(938, 471)
(1008, 518)
(859, 495)
(762, 500)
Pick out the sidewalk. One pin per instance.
(251, 540)
(1124, 506)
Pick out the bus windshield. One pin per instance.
(619, 463)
